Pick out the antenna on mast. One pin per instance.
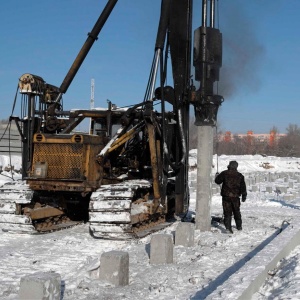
(92, 94)
(92, 102)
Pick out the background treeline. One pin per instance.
(285, 146)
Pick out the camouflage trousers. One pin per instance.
(231, 205)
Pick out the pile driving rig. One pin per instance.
(129, 174)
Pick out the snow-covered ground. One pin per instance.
(197, 271)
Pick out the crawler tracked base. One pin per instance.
(15, 195)
(12, 196)
(119, 211)
(124, 211)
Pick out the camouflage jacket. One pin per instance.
(233, 183)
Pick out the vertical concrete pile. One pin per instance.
(207, 63)
(204, 164)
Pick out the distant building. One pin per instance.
(272, 137)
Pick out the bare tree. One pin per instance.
(289, 145)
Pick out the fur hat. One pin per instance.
(233, 165)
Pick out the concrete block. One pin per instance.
(192, 176)
(114, 267)
(292, 175)
(282, 189)
(291, 184)
(269, 189)
(192, 190)
(161, 249)
(193, 183)
(288, 197)
(40, 286)
(254, 188)
(184, 234)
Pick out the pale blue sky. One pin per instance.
(260, 73)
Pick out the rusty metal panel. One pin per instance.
(64, 160)
(44, 212)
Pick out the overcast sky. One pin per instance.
(261, 46)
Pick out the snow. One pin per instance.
(197, 271)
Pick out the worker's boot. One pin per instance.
(238, 224)
(227, 222)
(229, 230)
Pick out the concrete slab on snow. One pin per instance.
(248, 280)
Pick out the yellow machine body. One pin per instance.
(65, 162)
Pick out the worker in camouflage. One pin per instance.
(233, 186)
